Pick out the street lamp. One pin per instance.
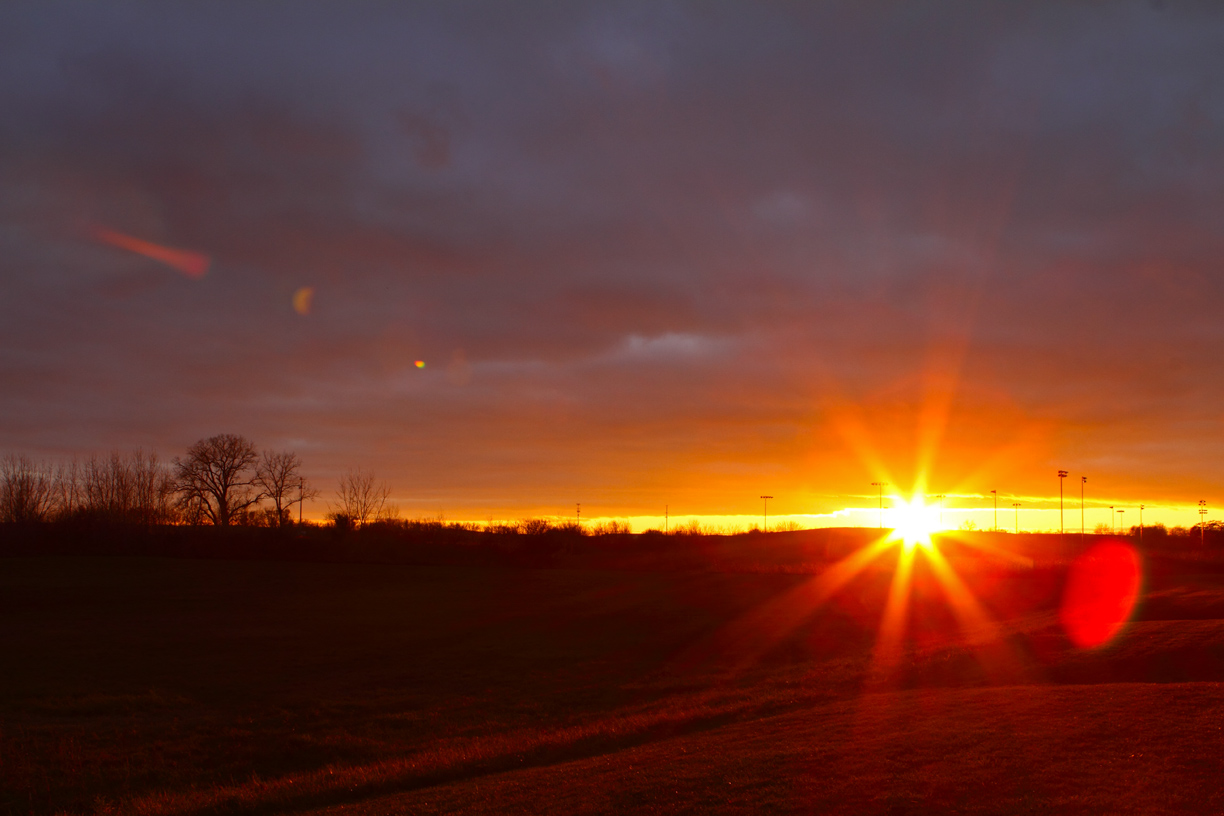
(1203, 522)
(1083, 481)
(766, 499)
(1062, 474)
(995, 493)
(1017, 506)
(880, 485)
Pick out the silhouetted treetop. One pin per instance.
(216, 477)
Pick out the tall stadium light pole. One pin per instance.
(1121, 522)
(995, 493)
(1083, 481)
(766, 499)
(1203, 522)
(880, 485)
(1017, 506)
(1111, 519)
(1062, 474)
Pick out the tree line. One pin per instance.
(223, 481)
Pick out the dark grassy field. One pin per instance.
(179, 686)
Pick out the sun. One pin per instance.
(914, 522)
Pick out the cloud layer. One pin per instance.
(649, 253)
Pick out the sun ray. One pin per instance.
(889, 637)
(751, 636)
(976, 624)
(985, 546)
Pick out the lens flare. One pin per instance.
(1100, 593)
(419, 363)
(191, 264)
(302, 299)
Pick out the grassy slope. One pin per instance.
(158, 687)
(1127, 748)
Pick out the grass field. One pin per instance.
(177, 686)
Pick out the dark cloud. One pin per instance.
(641, 248)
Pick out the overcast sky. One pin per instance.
(648, 252)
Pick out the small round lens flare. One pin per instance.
(1100, 594)
(302, 300)
(419, 364)
(915, 522)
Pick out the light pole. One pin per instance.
(1202, 522)
(1017, 506)
(941, 497)
(880, 485)
(1062, 474)
(1121, 523)
(1083, 481)
(1141, 524)
(1111, 519)
(995, 493)
(766, 499)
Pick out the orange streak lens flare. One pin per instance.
(192, 264)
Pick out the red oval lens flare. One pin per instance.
(1100, 593)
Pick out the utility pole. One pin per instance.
(995, 493)
(1203, 522)
(1062, 474)
(1017, 506)
(767, 498)
(1083, 481)
(880, 485)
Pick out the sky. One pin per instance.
(650, 255)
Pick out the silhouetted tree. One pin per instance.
(27, 490)
(279, 476)
(360, 499)
(136, 488)
(216, 478)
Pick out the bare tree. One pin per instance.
(360, 499)
(69, 489)
(27, 490)
(216, 478)
(137, 487)
(279, 476)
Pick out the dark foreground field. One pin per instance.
(178, 686)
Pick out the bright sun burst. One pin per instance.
(914, 522)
